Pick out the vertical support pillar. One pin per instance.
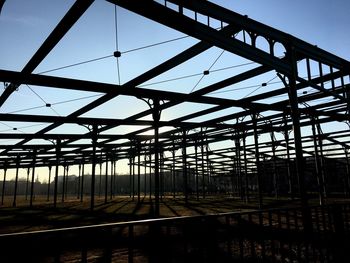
(238, 167)
(202, 163)
(3, 185)
(208, 165)
(245, 169)
(115, 183)
(196, 167)
(33, 180)
(295, 114)
(100, 177)
(347, 176)
(317, 163)
(130, 175)
(106, 179)
(79, 181)
(16, 182)
(82, 183)
(184, 165)
(138, 172)
(49, 184)
(93, 168)
(322, 164)
(58, 149)
(64, 182)
(145, 175)
(289, 172)
(156, 118)
(274, 168)
(113, 179)
(150, 175)
(27, 183)
(133, 177)
(173, 170)
(67, 179)
(161, 174)
(257, 160)
(233, 175)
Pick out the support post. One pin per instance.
(27, 183)
(317, 163)
(3, 185)
(64, 182)
(106, 179)
(289, 172)
(156, 118)
(33, 180)
(82, 182)
(16, 181)
(130, 175)
(112, 179)
(245, 169)
(79, 181)
(275, 174)
(150, 175)
(173, 170)
(238, 167)
(138, 172)
(202, 163)
(58, 149)
(295, 114)
(93, 168)
(49, 184)
(257, 160)
(196, 167)
(347, 176)
(184, 165)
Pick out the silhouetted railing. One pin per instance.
(275, 235)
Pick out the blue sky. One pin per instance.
(25, 24)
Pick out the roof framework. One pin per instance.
(261, 126)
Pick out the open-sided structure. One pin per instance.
(251, 146)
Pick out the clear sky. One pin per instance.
(25, 24)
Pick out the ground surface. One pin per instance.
(72, 212)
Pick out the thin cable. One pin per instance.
(196, 74)
(61, 102)
(36, 94)
(77, 99)
(27, 109)
(43, 100)
(168, 80)
(260, 86)
(216, 60)
(155, 44)
(116, 39)
(241, 88)
(5, 124)
(231, 67)
(75, 64)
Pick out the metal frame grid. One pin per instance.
(306, 74)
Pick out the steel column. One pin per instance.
(106, 179)
(317, 164)
(93, 168)
(16, 181)
(49, 184)
(257, 160)
(58, 149)
(33, 180)
(184, 165)
(3, 186)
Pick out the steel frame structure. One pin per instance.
(246, 156)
